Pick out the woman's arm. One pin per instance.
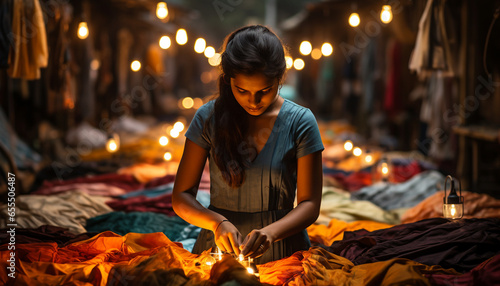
(309, 184)
(186, 206)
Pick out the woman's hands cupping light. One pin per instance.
(227, 237)
(256, 243)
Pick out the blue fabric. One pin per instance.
(151, 192)
(408, 194)
(174, 227)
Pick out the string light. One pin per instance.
(289, 62)
(316, 54)
(179, 126)
(83, 30)
(181, 37)
(357, 151)
(348, 145)
(187, 103)
(113, 143)
(354, 20)
(167, 156)
(163, 140)
(135, 65)
(199, 45)
(161, 10)
(215, 60)
(386, 14)
(165, 42)
(197, 103)
(368, 158)
(326, 49)
(298, 64)
(305, 48)
(209, 52)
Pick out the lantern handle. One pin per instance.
(451, 187)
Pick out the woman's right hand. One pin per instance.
(227, 237)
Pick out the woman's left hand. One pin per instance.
(256, 243)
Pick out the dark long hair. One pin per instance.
(249, 50)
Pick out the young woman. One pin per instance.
(263, 152)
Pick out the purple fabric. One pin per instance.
(461, 245)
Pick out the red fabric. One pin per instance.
(126, 182)
(486, 273)
(159, 204)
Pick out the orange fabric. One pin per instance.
(475, 206)
(321, 267)
(89, 262)
(326, 235)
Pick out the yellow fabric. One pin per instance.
(326, 235)
(321, 267)
(30, 52)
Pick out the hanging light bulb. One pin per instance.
(354, 20)
(316, 54)
(113, 143)
(181, 37)
(161, 10)
(289, 62)
(215, 60)
(386, 14)
(209, 52)
(326, 49)
(348, 145)
(453, 204)
(163, 140)
(165, 42)
(298, 64)
(187, 103)
(167, 156)
(135, 65)
(305, 48)
(357, 151)
(83, 30)
(199, 45)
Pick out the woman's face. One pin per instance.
(255, 93)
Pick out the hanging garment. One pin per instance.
(432, 49)
(29, 52)
(5, 32)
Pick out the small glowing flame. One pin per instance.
(250, 270)
(453, 210)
